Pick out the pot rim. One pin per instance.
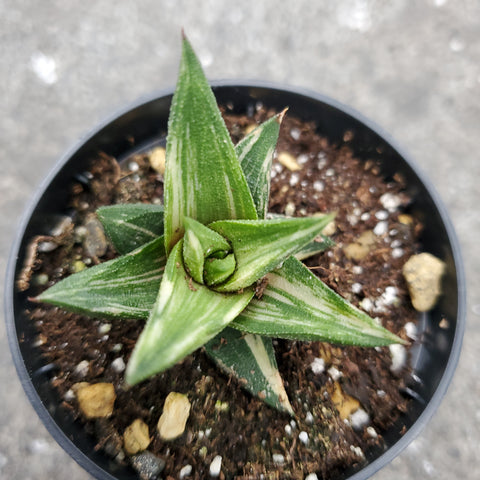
(25, 378)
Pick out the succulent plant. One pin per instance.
(190, 268)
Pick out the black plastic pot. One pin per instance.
(434, 360)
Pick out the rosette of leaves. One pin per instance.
(190, 268)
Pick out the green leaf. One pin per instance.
(261, 245)
(199, 242)
(298, 305)
(125, 287)
(185, 316)
(255, 153)
(217, 270)
(251, 359)
(318, 245)
(203, 178)
(131, 225)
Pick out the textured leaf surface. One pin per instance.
(203, 178)
(251, 359)
(262, 245)
(131, 225)
(297, 305)
(185, 316)
(125, 287)
(255, 153)
(199, 242)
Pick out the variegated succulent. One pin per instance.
(190, 267)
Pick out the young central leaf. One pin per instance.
(203, 177)
(260, 246)
(200, 243)
(185, 316)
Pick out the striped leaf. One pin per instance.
(125, 287)
(297, 305)
(199, 242)
(203, 178)
(131, 225)
(185, 316)
(255, 153)
(318, 245)
(261, 245)
(251, 359)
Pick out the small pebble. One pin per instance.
(69, 395)
(318, 366)
(303, 437)
(295, 133)
(288, 161)
(335, 373)
(423, 274)
(185, 471)
(411, 330)
(302, 159)
(157, 159)
(117, 348)
(40, 280)
(176, 411)
(95, 241)
(133, 167)
(372, 432)
(381, 228)
(148, 465)
(216, 467)
(309, 418)
(104, 328)
(311, 476)
(359, 419)
(118, 365)
(390, 201)
(278, 459)
(357, 288)
(290, 209)
(357, 269)
(136, 437)
(288, 430)
(398, 252)
(318, 186)
(293, 179)
(381, 215)
(399, 357)
(82, 368)
(357, 451)
(96, 400)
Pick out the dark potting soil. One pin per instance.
(325, 383)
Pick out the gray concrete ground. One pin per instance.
(411, 66)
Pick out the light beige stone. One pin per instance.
(423, 274)
(174, 417)
(96, 400)
(157, 159)
(361, 247)
(136, 437)
(289, 161)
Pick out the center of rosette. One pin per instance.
(207, 256)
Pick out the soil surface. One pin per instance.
(344, 398)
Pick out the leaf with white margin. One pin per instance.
(131, 225)
(296, 304)
(185, 316)
(125, 287)
(260, 246)
(257, 371)
(203, 178)
(255, 153)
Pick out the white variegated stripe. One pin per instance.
(185, 316)
(297, 305)
(262, 245)
(269, 370)
(136, 228)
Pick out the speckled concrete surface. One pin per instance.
(413, 67)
